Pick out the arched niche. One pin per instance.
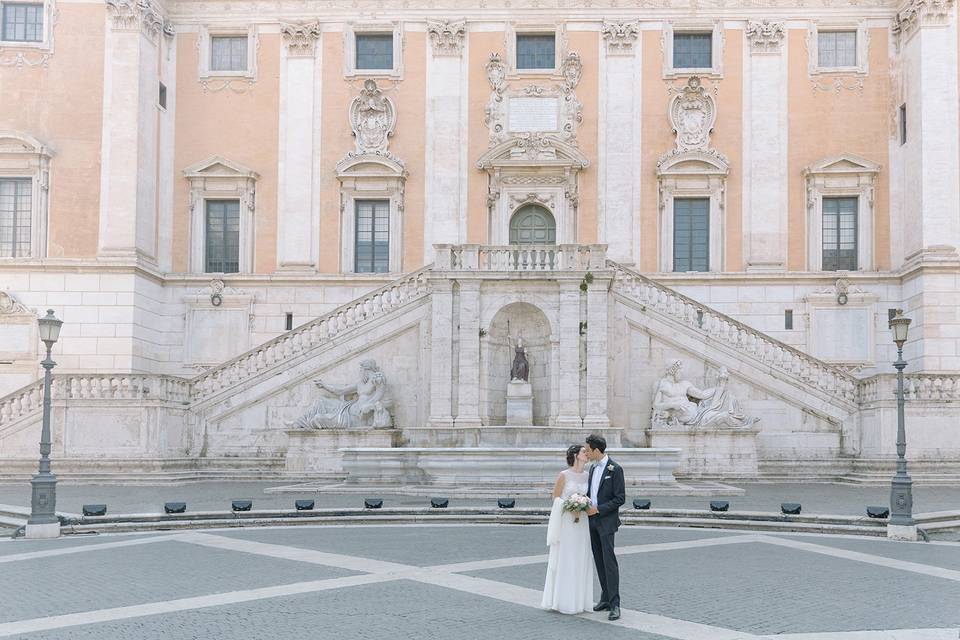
(530, 323)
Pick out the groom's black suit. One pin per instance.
(611, 495)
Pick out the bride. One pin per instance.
(569, 584)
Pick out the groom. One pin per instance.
(607, 495)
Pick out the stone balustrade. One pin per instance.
(724, 329)
(29, 399)
(917, 386)
(529, 257)
(310, 335)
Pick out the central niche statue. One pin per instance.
(677, 402)
(521, 368)
(369, 410)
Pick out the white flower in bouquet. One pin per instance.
(576, 503)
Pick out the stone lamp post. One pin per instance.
(43, 522)
(901, 524)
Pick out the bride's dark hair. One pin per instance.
(572, 452)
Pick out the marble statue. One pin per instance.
(521, 368)
(370, 409)
(678, 402)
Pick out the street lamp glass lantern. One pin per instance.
(899, 326)
(49, 328)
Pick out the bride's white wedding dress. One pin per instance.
(569, 584)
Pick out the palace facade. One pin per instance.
(185, 181)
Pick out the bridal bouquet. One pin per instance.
(576, 504)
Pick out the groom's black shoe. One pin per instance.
(601, 606)
(614, 614)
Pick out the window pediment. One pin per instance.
(533, 150)
(370, 165)
(12, 142)
(693, 162)
(842, 164)
(216, 166)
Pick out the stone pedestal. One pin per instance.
(558, 437)
(318, 451)
(42, 531)
(728, 453)
(519, 403)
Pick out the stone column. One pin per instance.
(128, 147)
(568, 378)
(441, 353)
(468, 386)
(445, 167)
(298, 206)
(595, 411)
(765, 147)
(620, 137)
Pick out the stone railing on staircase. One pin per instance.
(916, 386)
(29, 400)
(734, 334)
(306, 337)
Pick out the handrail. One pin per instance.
(779, 355)
(307, 336)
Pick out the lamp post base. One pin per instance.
(906, 532)
(41, 531)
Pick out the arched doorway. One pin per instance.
(533, 224)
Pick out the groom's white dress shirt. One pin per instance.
(595, 479)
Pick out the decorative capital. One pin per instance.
(301, 38)
(134, 15)
(447, 37)
(620, 36)
(765, 36)
(921, 13)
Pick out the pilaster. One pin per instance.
(446, 166)
(441, 353)
(468, 385)
(298, 206)
(595, 411)
(128, 174)
(765, 147)
(568, 378)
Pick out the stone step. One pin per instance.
(747, 521)
(940, 526)
(936, 516)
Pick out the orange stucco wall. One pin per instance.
(242, 127)
(826, 123)
(62, 107)
(588, 92)
(482, 44)
(656, 138)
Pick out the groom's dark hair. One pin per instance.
(597, 442)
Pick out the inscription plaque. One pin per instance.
(533, 114)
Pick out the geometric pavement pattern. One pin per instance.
(479, 581)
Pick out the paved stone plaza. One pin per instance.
(464, 582)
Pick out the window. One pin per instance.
(536, 51)
(691, 234)
(837, 49)
(532, 224)
(228, 53)
(16, 211)
(903, 123)
(372, 245)
(840, 234)
(788, 318)
(289, 323)
(692, 50)
(162, 96)
(23, 22)
(223, 236)
(374, 51)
